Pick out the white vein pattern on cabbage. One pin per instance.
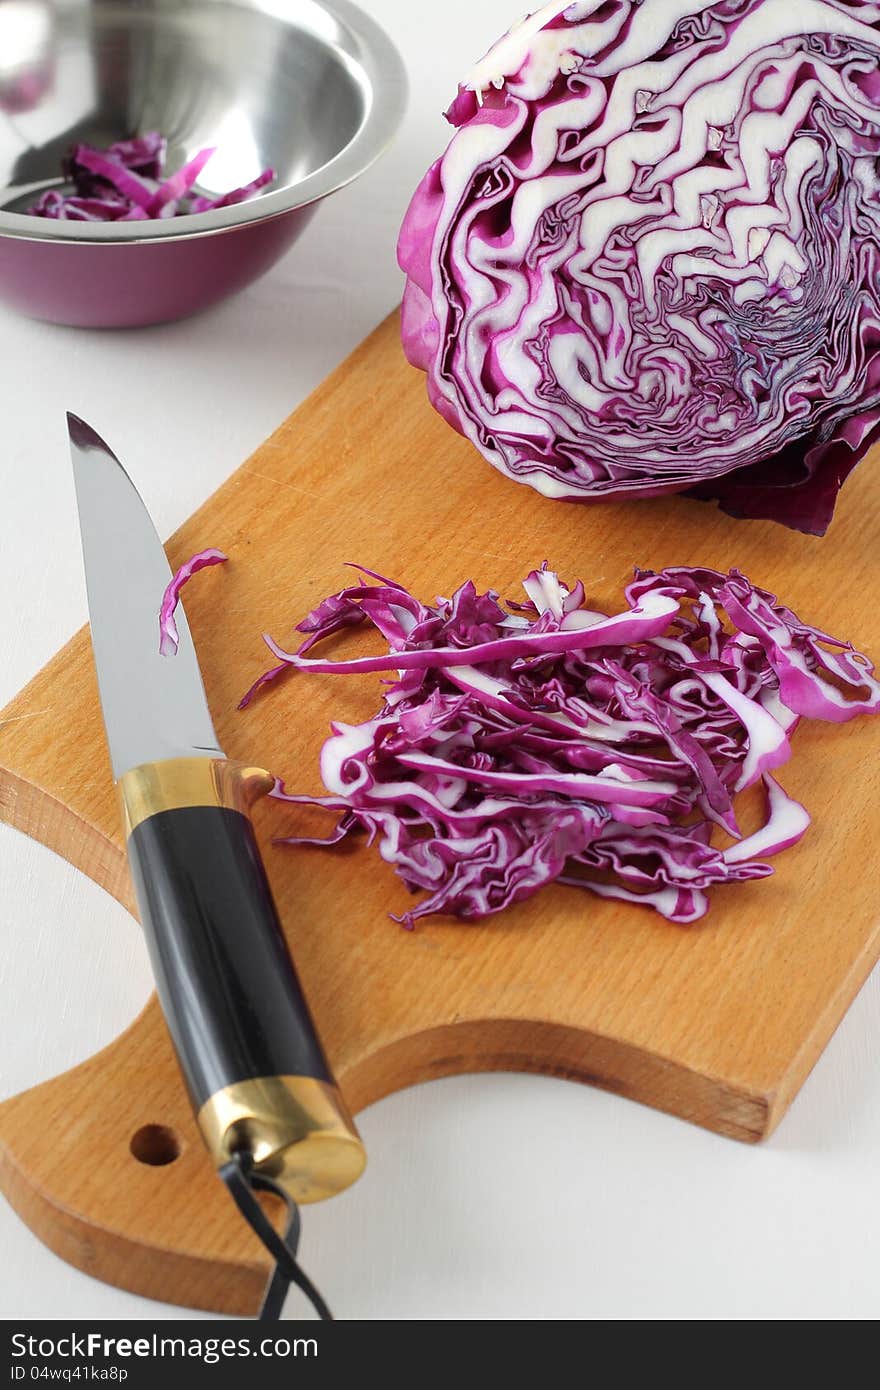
(649, 260)
(556, 743)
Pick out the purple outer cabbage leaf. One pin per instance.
(649, 260)
(543, 741)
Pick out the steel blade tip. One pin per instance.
(83, 436)
(154, 709)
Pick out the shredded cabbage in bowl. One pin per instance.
(127, 183)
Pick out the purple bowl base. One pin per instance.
(131, 284)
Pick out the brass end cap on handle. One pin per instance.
(178, 782)
(297, 1130)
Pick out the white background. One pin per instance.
(486, 1197)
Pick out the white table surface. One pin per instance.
(486, 1197)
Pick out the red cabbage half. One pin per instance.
(547, 741)
(649, 260)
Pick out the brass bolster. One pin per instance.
(177, 782)
(298, 1131)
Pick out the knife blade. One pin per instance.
(154, 707)
(256, 1072)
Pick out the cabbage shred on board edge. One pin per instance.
(649, 260)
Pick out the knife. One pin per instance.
(257, 1075)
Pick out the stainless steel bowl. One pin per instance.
(313, 88)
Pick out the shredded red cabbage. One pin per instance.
(169, 637)
(544, 741)
(126, 183)
(649, 260)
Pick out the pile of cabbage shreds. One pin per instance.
(125, 183)
(524, 744)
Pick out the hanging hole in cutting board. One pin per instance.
(155, 1145)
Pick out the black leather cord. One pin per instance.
(243, 1181)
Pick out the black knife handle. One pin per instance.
(256, 1072)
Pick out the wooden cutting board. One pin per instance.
(719, 1023)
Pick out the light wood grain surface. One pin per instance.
(719, 1023)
